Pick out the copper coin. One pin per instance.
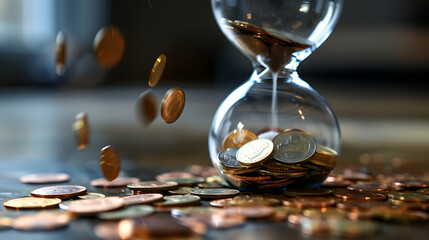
(41, 221)
(251, 212)
(146, 107)
(142, 199)
(357, 206)
(42, 178)
(409, 205)
(153, 186)
(412, 183)
(81, 129)
(334, 182)
(157, 70)
(308, 192)
(309, 202)
(172, 105)
(31, 202)
(359, 196)
(109, 46)
(215, 193)
(118, 182)
(60, 52)
(95, 206)
(221, 203)
(175, 174)
(110, 163)
(62, 192)
(371, 187)
(238, 138)
(355, 176)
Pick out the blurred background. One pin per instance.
(373, 70)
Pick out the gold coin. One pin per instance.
(255, 152)
(238, 138)
(92, 196)
(32, 202)
(157, 70)
(172, 105)
(60, 52)
(109, 46)
(110, 163)
(81, 129)
(147, 107)
(63, 191)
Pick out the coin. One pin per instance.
(142, 199)
(251, 212)
(157, 70)
(172, 105)
(309, 202)
(62, 192)
(253, 200)
(118, 182)
(361, 196)
(411, 183)
(181, 191)
(359, 206)
(370, 187)
(60, 52)
(255, 152)
(422, 206)
(178, 200)
(228, 158)
(238, 138)
(81, 129)
(409, 197)
(110, 163)
(5, 222)
(350, 175)
(186, 182)
(31, 202)
(147, 107)
(153, 186)
(293, 146)
(41, 221)
(92, 196)
(215, 192)
(127, 212)
(308, 192)
(109, 46)
(221, 203)
(210, 185)
(94, 206)
(219, 220)
(175, 174)
(399, 215)
(423, 191)
(42, 178)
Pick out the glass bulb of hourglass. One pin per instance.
(276, 35)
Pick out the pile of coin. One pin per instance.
(275, 160)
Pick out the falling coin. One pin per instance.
(215, 192)
(255, 152)
(32, 202)
(60, 52)
(110, 163)
(157, 70)
(62, 192)
(109, 45)
(172, 105)
(147, 107)
(94, 206)
(118, 182)
(293, 146)
(81, 129)
(41, 221)
(42, 178)
(238, 138)
(142, 199)
(92, 196)
(127, 212)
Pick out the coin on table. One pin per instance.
(255, 152)
(109, 46)
(210, 185)
(423, 191)
(146, 107)
(253, 200)
(157, 70)
(81, 129)
(42, 178)
(309, 202)
(41, 221)
(94, 206)
(308, 192)
(153, 186)
(411, 183)
(175, 174)
(348, 195)
(118, 182)
(5, 222)
(32, 202)
(409, 196)
(60, 52)
(370, 187)
(146, 198)
(110, 163)
(215, 192)
(186, 182)
(221, 203)
(359, 206)
(293, 146)
(238, 138)
(127, 212)
(178, 200)
(172, 105)
(181, 191)
(92, 196)
(217, 220)
(62, 191)
(251, 212)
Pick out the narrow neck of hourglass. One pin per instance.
(261, 75)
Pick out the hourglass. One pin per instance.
(275, 132)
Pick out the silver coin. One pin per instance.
(294, 146)
(228, 158)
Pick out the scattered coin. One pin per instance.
(362, 196)
(181, 191)
(178, 200)
(251, 212)
(127, 212)
(210, 185)
(172, 105)
(32, 202)
(359, 206)
(62, 192)
(81, 129)
(186, 181)
(221, 203)
(253, 200)
(370, 187)
(350, 175)
(309, 202)
(215, 192)
(92, 196)
(411, 183)
(118, 182)
(293, 146)
(255, 152)
(41, 221)
(219, 220)
(308, 192)
(409, 197)
(60, 52)
(110, 163)
(157, 70)
(94, 206)
(153, 186)
(42, 178)
(109, 46)
(238, 138)
(142, 199)
(147, 107)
